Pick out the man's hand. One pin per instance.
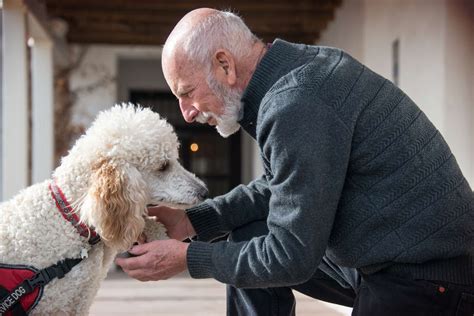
(176, 221)
(157, 260)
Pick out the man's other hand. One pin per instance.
(176, 221)
(157, 260)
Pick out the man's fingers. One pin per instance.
(139, 250)
(158, 210)
(134, 262)
(129, 264)
(153, 210)
(139, 275)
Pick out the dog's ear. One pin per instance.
(115, 204)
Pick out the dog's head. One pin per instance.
(136, 165)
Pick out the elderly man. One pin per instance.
(362, 202)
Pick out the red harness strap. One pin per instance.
(68, 213)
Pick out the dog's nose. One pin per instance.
(203, 194)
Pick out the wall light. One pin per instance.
(194, 147)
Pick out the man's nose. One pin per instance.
(188, 111)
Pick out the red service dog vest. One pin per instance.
(10, 277)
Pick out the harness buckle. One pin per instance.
(94, 239)
(39, 279)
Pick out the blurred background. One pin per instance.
(65, 60)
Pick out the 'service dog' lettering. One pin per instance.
(11, 299)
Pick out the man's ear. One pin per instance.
(224, 67)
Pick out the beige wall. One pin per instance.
(436, 47)
(347, 29)
(419, 25)
(100, 65)
(459, 78)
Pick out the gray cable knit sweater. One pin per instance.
(354, 170)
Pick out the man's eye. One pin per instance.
(163, 167)
(187, 94)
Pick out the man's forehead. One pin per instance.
(175, 73)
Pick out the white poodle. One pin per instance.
(126, 160)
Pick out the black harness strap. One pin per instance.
(43, 277)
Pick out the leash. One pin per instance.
(10, 300)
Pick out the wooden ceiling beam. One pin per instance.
(121, 38)
(150, 21)
(175, 16)
(262, 5)
(255, 23)
(152, 29)
(159, 38)
(120, 27)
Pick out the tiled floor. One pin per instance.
(120, 295)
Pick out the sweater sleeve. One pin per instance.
(307, 147)
(218, 216)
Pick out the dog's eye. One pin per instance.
(163, 166)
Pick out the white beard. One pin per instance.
(227, 122)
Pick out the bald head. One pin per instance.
(201, 32)
(175, 41)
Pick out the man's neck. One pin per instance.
(250, 64)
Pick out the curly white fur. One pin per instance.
(126, 160)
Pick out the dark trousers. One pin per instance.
(376, 294)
